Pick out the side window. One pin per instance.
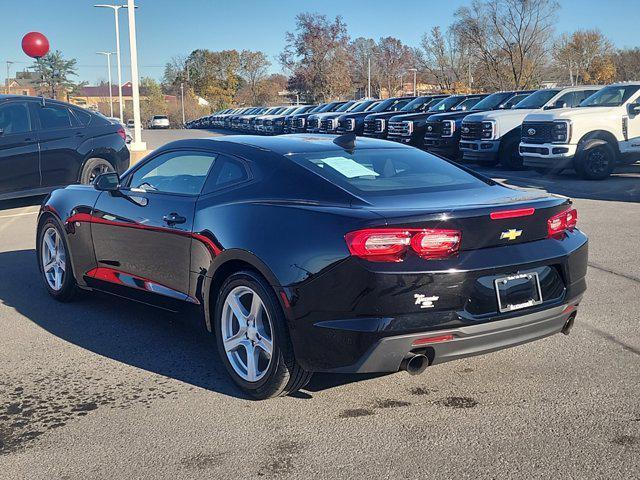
(229, 171)
(580, 96)
(566, 98)
(54, 117)
(174, 172)
(14, 118)
(83, 116)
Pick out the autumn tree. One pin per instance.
(253, 67)
(54, 71)
(393, 59)
(586, 56)
(445, 57)
(510, 39)
(317, 56)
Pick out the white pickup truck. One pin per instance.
(603, 131)
(491, 137)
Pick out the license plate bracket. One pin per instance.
(518, 291)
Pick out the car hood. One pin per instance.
(498, 115)
(410, 116)
(569, 113)
(384, 115)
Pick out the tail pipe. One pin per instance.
(569, 323)
(415, 364)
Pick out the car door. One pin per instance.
(142, 233)
(19, 154)
(60, 135)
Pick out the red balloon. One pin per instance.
(35, 44)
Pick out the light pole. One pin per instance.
(414, 70)
(108, 55)
(369, 77)
(182, 98)
(115, 9)
(137, 144)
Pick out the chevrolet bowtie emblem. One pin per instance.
(511, 234)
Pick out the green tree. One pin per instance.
(54, 72)
(152, 101)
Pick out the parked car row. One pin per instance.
(588, 128)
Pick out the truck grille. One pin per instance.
(369, 126)
(326, 125)
(471, 130)
(433, 129)
(536, 132)
(398, 128)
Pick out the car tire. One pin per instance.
(509, 154)
(65, 288)
(94, 167)
(595, 161)
(273, 375)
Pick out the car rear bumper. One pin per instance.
(388, 353)
(364, 317)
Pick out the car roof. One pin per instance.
(296, 143)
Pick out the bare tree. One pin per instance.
(445, 57)
(317, 56)
(253, 70)
(511, 38)
(393, 59)
(363, 55)
(627, 62)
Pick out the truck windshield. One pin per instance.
(493, 101)
(612, 96)
(446, 104)
(415, 104)
(467, 104)
(360, 107)
(537, 100)
(384, 105)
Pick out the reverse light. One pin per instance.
(392, 244)
(562, 222)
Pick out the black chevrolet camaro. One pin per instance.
(316, 253)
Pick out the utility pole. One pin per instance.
(108, 55)
(9, 63)
(369, 78)
(182, 97)
(415, 71)
(137, 144)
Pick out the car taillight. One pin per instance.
(561, 222)
(392, 244)
(122, 133)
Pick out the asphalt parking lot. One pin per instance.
(104, 388)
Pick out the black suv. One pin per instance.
(442, 134)
(47, 144)
(375, 124)
(410, 128)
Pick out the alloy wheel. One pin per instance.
(247, 334)
(54, 259)
(98, 170)
(597, 161)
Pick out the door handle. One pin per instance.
(173, 219)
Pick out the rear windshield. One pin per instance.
(159, 117)
(383, 171)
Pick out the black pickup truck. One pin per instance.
(442, 135)
(410, 128)
(375, 124)
(353, 122)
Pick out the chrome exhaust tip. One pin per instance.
(415, 364)
(566, 330)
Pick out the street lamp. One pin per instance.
(115, 9)
(414, 70)
(108, 55)
(137, 144)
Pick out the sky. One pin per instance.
(168, 28)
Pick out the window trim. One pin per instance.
(128, 175)
(29, 117)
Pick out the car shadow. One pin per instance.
(622, 186)
(138, 335)
(21, 202)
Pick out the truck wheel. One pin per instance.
(595, 161)
(510, 154)
(253, 338)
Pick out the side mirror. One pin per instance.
(502, 106)
(463, 108)
(107, 182)
(633, 109)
